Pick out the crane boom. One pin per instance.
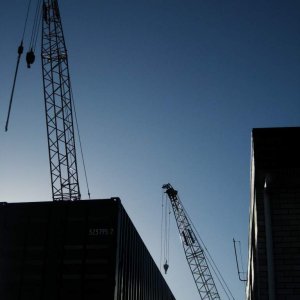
(58, 106)
(193, 250)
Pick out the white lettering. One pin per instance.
(101, 231)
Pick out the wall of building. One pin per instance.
(80, 250)
(274, 223)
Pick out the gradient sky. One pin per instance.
(166, 91)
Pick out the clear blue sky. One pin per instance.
(166, 91)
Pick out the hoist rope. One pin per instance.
(161, 229)
(80, 144)
(26, 19)
(20, 51)
(165, 231)
(36, 24)
(38, 30)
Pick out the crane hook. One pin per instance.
(30, 57)
(166, 267)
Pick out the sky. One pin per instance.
(165, 91)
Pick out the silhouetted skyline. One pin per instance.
(165, 91)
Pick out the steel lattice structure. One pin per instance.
(58, 106)
(193, 250)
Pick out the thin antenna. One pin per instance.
(237, 263)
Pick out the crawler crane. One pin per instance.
(193, 250)
(57, 98)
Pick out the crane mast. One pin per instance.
(193, 250)
(58, 106)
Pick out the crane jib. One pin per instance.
(58, 106)
(192, 248)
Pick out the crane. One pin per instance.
(57, 98)
(193, 250)
(58, 106)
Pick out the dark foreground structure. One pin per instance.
(274, 229)
(80, 250)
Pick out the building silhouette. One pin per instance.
(274, 223)
(79, 250)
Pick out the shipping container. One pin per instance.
(79, 250)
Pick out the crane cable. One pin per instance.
(161, 228)
(36, 26)
(165, 233)
(30, 56)
(80, 144)
(20, 51)
(212, 263)
(32, 46)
